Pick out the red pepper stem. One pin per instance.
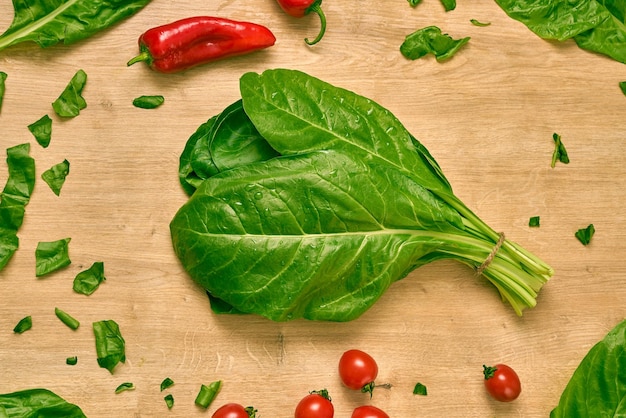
(317, 8)
(143, 56)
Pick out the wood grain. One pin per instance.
(487, 115)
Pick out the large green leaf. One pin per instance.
(48, 22)
(598, 386)
(40, 403)
(596, 25)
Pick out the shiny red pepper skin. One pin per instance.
(188, 42)
(301, 8)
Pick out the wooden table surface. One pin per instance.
(487, 115)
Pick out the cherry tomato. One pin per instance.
(369, 411)
(358, 370)
(315, 405)
(234, 410)
(502, 382)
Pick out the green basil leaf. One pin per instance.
(23, 325)
(148, 102)
(55, 176)
(622, 86)
(124, 387)
(166, 383)
(420, 389)
(169, 401)
(67, 319)
(38, 403)
(431, 40)
(110, 345)
(14, 198)
(594, 25)
(48, 22)
(87, 281)
(3, 77)
(42, 130)
(71, 102)
(584, 235)
(597, 387)
(51, 256)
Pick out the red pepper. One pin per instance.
(197, 40)
(301, 8)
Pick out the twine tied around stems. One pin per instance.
(492, 255)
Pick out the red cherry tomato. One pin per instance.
(502, 382)
(358, 370)
(369, 411)
(315, 405)
(234, 410)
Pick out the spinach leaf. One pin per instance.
(3, 77)
(169, 400)
(51, 256)
(67, 319)
(124, 387)
(148, 102)
(48, 22)
(87, 281)
(584, 235)
(560, 153)
(431, 40)
(42, 130)
(110, 345)
(534, 221)
(166, 384)
(449, 5)
(622, 86)
(14, 198)
(353, 203)
(37, 403)
(420, 389)
(595, 25)
(23, 325)
(71, 102)
(55, 176)
(597, 387)
(414, 3)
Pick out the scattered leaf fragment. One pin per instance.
(55, 176)
(110, 345)
(479, 23)
(169, 401)
(622, 86)
(67, 319)
(71, 102)
(584, 235)
(51, 256)
(148, 102)
(42, 130)
(87, 281)
(71, 361)
(431, 40)
(166, 383)
(23, 325)
(533, 222)
(414, 3)
(207, 394)
(449, 5)
(420, 389)
(3, 77)
(560, 153)
(124, 387)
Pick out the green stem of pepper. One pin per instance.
(317, 8)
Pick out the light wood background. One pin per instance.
(487, 115)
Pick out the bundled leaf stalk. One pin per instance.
(308, 200)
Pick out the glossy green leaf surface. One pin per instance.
(596, 25)
(430, 40)
(87, 281)
(71, 102)
(598, 386)
(48, 22)
(55, 176)
(110, 345)
(51, 256)
(37, 403)
(42, 130)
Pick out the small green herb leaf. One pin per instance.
(414, 3)
(124, 387)
(166, 383)
(478, 23)
(51, 256)
(148, 102)
(55, 176)
(14, 198)
(24, 325)
(42, 130)
(560, 153)
(71, 361)
(584, 235)
(71, 102)
(207, 394)
(66, 318)
(622, 86)
(420, 389)
(431, 40)
(37, 403)
(169, 401)
(3, 77)
(87, 281)
(448, 5)
(533, 222)
(110, 345)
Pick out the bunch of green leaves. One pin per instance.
(595, 25)
(37, 403)
(48, 22)
(597, 387)
(310, 201)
